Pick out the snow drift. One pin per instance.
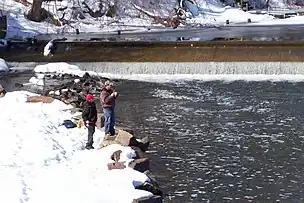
(42, 161)
(3, 66)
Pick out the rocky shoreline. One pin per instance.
(71, 89)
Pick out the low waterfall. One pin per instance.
(171, 68)
(268, 68)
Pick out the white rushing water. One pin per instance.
(166, 72)
(127, 68)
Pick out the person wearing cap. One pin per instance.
(89, 116)
(108, 96)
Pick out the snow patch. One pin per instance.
(210, 12)
(42, 161)
(61, 68)
(3, 66)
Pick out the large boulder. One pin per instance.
(126, 139)
(3, 66)
(140, 165)
(149, 186)
(144, 143)
(153, 199)
(129, 130)
(139, 153)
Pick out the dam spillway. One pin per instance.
(213, 57)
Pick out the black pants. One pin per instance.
(91, 131)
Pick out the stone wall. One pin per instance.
(221, 51)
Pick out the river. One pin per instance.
(221, 142)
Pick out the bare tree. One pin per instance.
(36, 12)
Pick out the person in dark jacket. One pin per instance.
(108, 96)
(89, 116)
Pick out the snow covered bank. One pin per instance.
(3, 66)
(295, 20)
(56, 68)
(61, 67)
(41, 161)
(210, 12)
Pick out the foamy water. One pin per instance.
(165, 78)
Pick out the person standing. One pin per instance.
(108, 96)
(89, 116)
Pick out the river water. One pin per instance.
(219, 141)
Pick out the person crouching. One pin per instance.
(89, 116)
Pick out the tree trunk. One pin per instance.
(35, 13)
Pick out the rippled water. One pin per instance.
(221, 142)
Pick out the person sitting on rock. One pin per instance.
(89, 116)
(107, 99)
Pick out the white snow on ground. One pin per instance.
(292, 20)
(41, 161)
(3, 66)
(61, 67)
(58, 68)
(234, 15)
(210, 12)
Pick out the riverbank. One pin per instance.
(61, 149)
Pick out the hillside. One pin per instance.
(108, 15)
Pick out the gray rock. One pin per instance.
(116, 155)
(126, 139)
(144, 143)
(139, 153)
(153, 199)
(150, 187)
(140, 165)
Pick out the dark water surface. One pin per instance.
(220, 142)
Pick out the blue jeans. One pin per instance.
(109, 120)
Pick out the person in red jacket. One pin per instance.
(108, 96)
(89, 116)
